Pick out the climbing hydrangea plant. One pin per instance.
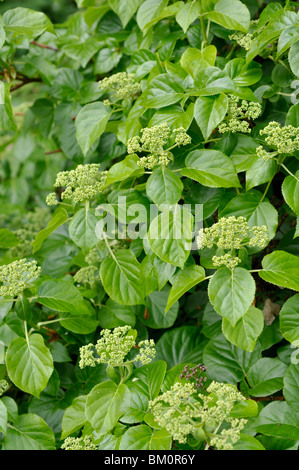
(149, 210)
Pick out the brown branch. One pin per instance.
(267, 398)
(53, 151)
(44, 46)
(24, 82)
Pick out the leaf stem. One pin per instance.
(288, 171)
(108, 246)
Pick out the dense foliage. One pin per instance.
(149, 233)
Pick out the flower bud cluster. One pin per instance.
(147, 351)
(182, 411)
(172, 411)
(217, 408)
(4, 386)
(232, 233)
(283, 138)
(244, 40)
(30, 224)
(122, 85)
(153, 160)
(79, 443)
(152, 140)
(87, 275)
(262, 153)
(260, 236)
(114, 346)
(96, 254)
(226, 260)
(81, 184)
(16, 276)
(237, 114)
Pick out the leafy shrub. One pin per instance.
(149, 240)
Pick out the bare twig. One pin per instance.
(53, 151)
(44, 46)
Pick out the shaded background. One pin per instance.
(57, 10)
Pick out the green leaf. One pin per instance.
(287, 38)
(290, 192)
(245, 409)
(125, 10)
(265, 377)
(149, 273)
(164, 187)
(164, 271)
(244, 152)
(288, 318)
(127, 168)
(11, 407)
(81, 52)
(183, 282)
(62, 296)
(144, 385)
(74, 417)
(291, 386)
(209, 111)
(142, 437)
(246, 331)
(90, 124)
(167, 11)
(82, 229)
(231, 293)
(94, 14)
(282, 269)
(162, 91)
(156, 309)
(3, 417)
(255, 209)
(294, 58)
(280, 420)
(113, 314)
(293, 116)
(212, 81)
(242, 73)
(106, 60)
(277, 23)
(25, 22)
(8, 238)
(59, 352)
(30, 433)
(194, 59)
(148, 11)
(170, 235)
(29, 364)
(121, 278)
(187, 14)
(59, 217)
(231, 14)
(7, 122)
(190, 350)
(23, 308)
(226, 362)
(211, 168)
(259, 171)
(126, 203)
(105, 404)
(247, 442)
(2, 36)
